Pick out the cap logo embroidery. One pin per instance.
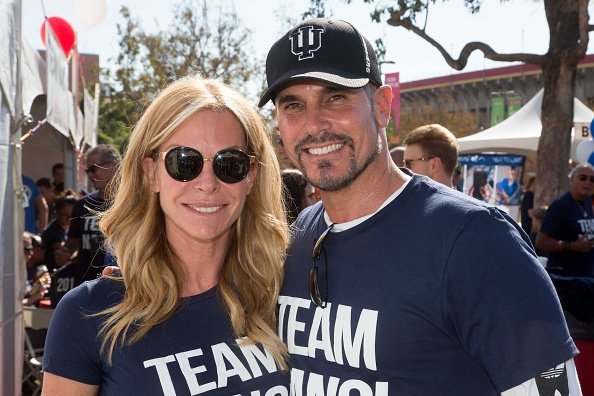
(306, 41)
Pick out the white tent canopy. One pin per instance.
(23, 79)
(519, 134)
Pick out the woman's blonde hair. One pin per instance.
(134, 228)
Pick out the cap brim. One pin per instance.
(336, 79)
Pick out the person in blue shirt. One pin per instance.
(36, 209)
(395, 284)
(508, 189)
(567, 229)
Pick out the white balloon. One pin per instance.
(583, 150)
(90, 12)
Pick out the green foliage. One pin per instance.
(316, 9)
(409, 9)
(200, 40)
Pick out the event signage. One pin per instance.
(497, 110)
(492, 159)
(513, 104)
(495, 179)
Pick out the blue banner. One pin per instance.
(492, 159)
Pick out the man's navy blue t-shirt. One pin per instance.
(435, 294)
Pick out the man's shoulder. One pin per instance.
(88, 203)
(429, 192)
(445, 208)
(310, 215)
(92, 198)
(52, 229)
(562, 201)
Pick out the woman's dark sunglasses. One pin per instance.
(185, 163)
(314, 290)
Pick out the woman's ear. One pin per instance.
(150, 170)
(251, 177)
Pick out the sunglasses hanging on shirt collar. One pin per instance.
(320, 299)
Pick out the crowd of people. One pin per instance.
(311, 261)
(70, 248)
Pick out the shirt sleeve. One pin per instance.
(502, 304)
(49, 236)
(71, 347)
(559, 380)
(553, 220)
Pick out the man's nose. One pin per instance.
(316, 121)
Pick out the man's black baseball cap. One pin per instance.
(324, 50)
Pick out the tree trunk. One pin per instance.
(554, 146)
(559, 71)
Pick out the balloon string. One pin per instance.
(43, 8)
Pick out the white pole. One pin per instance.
(11, 225)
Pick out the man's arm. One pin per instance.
(67, 252)
(545, 242)
(42, 212)
(511, 320)
(561, 380)
(515, 197)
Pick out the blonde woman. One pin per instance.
(197, 226)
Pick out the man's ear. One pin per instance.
(382, 105)
(435, 165)
(150, 169)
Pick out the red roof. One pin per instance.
(480, 75)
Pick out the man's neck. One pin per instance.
(443, 179)
(364, 195)
(577, 196)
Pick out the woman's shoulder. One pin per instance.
(94, 296)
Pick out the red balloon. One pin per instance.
(63, 32)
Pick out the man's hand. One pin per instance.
(111, 270)
(582, 244)
(63, 255)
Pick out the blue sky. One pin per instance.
(513, 26)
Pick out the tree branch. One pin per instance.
(584, 28)
(460, 63)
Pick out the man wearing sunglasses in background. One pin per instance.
(431, 150)
(83, 246)
(407, 294)
(567, 230)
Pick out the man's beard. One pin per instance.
(327, 181)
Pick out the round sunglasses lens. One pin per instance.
(183, 163)
(231, 166)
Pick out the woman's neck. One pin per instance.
(201, 264)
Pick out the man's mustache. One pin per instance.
(323, 138)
